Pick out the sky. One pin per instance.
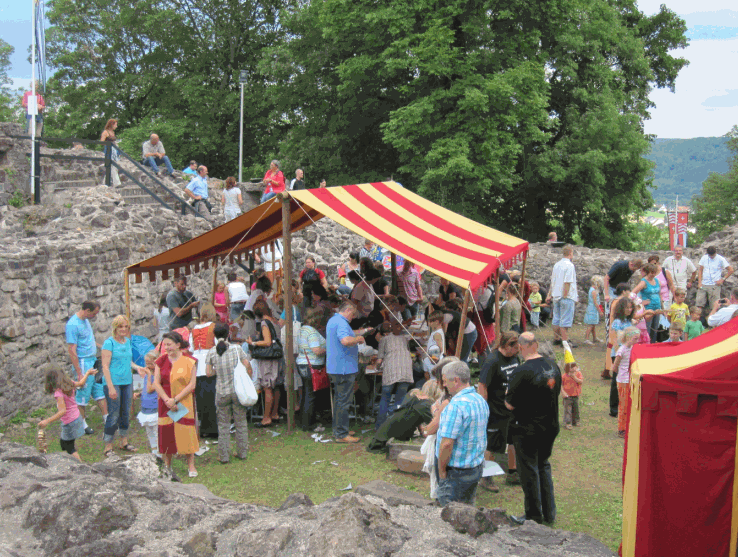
(704, 104)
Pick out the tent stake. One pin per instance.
(393, 260)
(462, 324)
(289, 356)
(127, 289)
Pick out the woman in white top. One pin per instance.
(236, 296)
(436, 342)
(231, 199)
(161, 318)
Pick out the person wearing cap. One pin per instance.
(710, 277)
(533, 398)
(461, 438)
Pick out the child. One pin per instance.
(676, 332)
(397, 368)
(148, 417)
(62, 387)
(629, 338)
(594, 311)
(694, 326)
(535, 304)
(679, 311)
(221, 308)
(571, 390)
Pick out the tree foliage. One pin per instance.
(717, 205)
(9, 99)
(517, 114)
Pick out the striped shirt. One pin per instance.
(465, 421)
(310, 338)
(408, 285)
(224, 366)
(397, 364)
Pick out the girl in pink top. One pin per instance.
(221, 308)
(62, 387)
(630, 337)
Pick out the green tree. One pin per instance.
(169, 67)
(9, 99)
(516, 114)
(717, 205)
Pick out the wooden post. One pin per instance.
(215, 283)
(497, 309)
(462, 324)
(521, 292)
(289, 357)
(127, 290)
(393, 261)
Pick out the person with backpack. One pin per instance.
(311, 277)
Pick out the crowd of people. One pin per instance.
(360, 340)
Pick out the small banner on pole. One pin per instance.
(678, 220)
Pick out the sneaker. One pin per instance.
(567, 426)
(513, 478)
(488, 483)
(202, 450)
(557, 342)
(589, 342)
(89, 430)
(233, 428)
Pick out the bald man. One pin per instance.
(154, 154)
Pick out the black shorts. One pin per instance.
(497, 436)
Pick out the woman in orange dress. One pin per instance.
(174, 381)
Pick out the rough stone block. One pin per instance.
(393, 495)
(411, 461)
(394, 449)
(467, 519)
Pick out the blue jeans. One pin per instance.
(343, 388)
(400, 390)
(118, 412)
(236, 310)
(532, 452)
(267, 196)
(414, 308)
(468, 344)
(459, 485)
(307, 403)
(151, 161)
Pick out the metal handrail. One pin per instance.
(109, 162)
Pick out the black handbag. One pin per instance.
(272, 352)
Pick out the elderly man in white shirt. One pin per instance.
(723, 310)
(711, 277)
(681, 268)
(564, 295)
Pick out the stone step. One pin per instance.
(72, 184)
(411, 462)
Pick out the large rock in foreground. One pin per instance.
(54, 505)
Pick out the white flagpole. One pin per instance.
(33, 96)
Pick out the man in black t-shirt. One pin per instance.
(494, 376)
(533, 399)
(620, 272)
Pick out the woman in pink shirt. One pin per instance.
(273, 181)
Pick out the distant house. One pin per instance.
(661, 209)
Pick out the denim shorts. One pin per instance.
(73, 430)
(90, 389)
(563, 312)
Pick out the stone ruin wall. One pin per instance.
(55, 256)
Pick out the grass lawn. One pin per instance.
(586, 461)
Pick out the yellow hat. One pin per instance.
(568, 356)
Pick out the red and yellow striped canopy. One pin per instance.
(452, 246)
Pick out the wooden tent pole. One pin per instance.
(127, 289)
(393, 261)
(521, 292)
(289, 356)
(462, 324)
(215, 283)
(497, 309)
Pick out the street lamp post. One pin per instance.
(242, 80)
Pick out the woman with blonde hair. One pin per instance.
(202, 340)
(117, 362)
(231, 199)
(108, 134)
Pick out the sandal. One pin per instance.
(128, 447)
(109, 453)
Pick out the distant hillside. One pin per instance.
(683, 164)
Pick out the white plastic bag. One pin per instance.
(244, 387)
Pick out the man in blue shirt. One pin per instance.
(197, 189)
(191, 169)
(342, 365)
(82, 351)
(462, 437)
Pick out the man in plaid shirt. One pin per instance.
(462, 437)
